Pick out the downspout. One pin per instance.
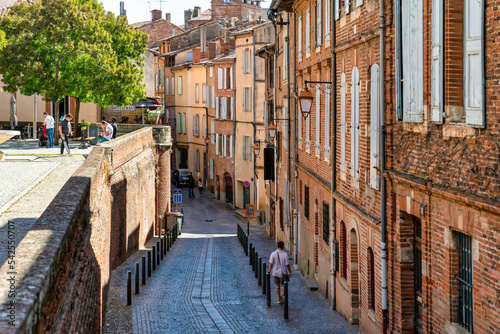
(255, 198)
(290, 227)
(382, 169)
(333, 97)
(274, 116)
(234, 136)
(295, 115)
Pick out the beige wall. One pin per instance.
(24, 106)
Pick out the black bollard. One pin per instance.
(246, 245)
(149, 263)
(136, 278)
(159, 226)
(264, 267)
(164, 240)
(129, 288)
(143, 270)
(268, 289)
(256, 264)
(248, 228)
(250, 253)
(285, 311)
(158, 255)
(168, 241)
(260, 271)
(161, 248)
(154, 258)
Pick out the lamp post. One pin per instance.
(305, 102)
(256, 149)
(272, 131)
(142, 105)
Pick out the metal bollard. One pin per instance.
(248, 228)
(158, 251)
(168, 241)
(159, 226)
(165, 245)
(161, 248)
(143, 270)
(285, 311)
(154, 258)
(250, 251)
(149, 263)
(256, 264)
(136, 278)
(264, 267)
(129, 288)
(260, 271)
(268, 289)
(246, 245)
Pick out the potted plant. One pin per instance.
(154, 115)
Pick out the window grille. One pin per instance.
(326, 224)
(465, 287)
(306, 201)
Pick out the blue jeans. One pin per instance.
(50, 135)
(103, 139)
(191, 192)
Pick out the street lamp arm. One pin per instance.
(317, 82)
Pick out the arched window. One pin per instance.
(344, 250)
(371, 279)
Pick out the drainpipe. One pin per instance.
(295, 130)
(290, 227)
(333, 97)
(256, 200)
(382, 169)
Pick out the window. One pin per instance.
(228, 148)
(167, 89)
(343, 240)
(189, 56)
(342, 122)
(374, 128)
(326, 222)
(183, 122)
(249, 147)
(244, 60)
(299, 37)
(247, 98)
(197, 161)
(204, 126)
(244, 147)
(178, 123)
(308, 130)
(306, 202)
(203, 93)
(271, 72)
(327, 120)
(211, 169)
(308, 31)
(465, 286)
(327, 20)
(359, 3)
(172, 89)
(230, 78)
(212, 134)
(211, 71)
(347, 6)
(437, 70)
(179, 85)
(197, 93)
(162, 76)
(249, 63)
(220, 74)
(300, 192)
(319, 28)
(196, 126)
(355, 123)
(337, 9)
(318, 118)
(371, 279)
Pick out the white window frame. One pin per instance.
(374, 126)
(355, 123)
(327, 120)
(308, 31)
(319, 28)
(318, 118)
(299, 37)
(179, 85)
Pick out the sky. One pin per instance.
(139, 10)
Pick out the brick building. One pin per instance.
(230, 10)
(158, 28)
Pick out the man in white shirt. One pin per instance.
(49, 128)
(278, 262)
(107, 132)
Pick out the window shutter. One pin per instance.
(308, 129)
(167, 89)
(172, 89)
(211, 169)
(249, 61)
(197, 161)
(374, 127)
(249, 98)
(212, 129)
(223, 107)
(194, 125)
(244, 147)
(355, 123)
(318, 117)
(299, 46)
(230, 146)
(359, 3)
(347, 6)
(308, 30)
(178, 123)
(474, 63)
(204, 126)
(342, 122)
(319, 30)
(244, 61)
(183, 119)
(337, 9)
(219, 78)
(244, 99)
(231, 78)
(437, 62)
(232, 108)
(212, 96)
(413, 61)
(217, 107)
(250, 148)
(327, 20)
(217, 144)
(327, 120)
(299, 116)
(223, 145)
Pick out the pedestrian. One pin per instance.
(278, 262)
(200, 186)
(65, 132)
(112, 121)
(191, 185)
(107, 132)
(49, 128)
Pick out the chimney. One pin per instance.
(211, 50)
(168, 17)
(197, 11)
(203, 39)
(123, 12)
(155, 14)
(196, 56)
(187, 16)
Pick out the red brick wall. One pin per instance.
(101, 215)
(236, 8)
(160, 30)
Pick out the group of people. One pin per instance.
(191, 185)
(109, 130)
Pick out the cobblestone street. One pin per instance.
(205, 285)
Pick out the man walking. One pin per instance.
(278, 262)
(191, 185)
(65, 132)
(49, 128)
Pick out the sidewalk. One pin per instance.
(205, 285)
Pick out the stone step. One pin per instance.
(311, 284)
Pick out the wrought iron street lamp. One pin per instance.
(256, 149)
(305, 102)
(272, 131)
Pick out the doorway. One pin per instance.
(218, 187)
(183, 158)
(229, 188)
(246, 195)
(354, 279)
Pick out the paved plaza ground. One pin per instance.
(205, 285)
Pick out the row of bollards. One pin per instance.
(158, 252)
(260, 269)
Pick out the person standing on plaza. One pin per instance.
(191, 185)
(65, 132)
(107, 132)
(112, 121)
(278, 262)
(49, 128)
(200, 186)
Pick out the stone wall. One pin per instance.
(102, 215)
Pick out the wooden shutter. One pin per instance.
(244, 99)
(347, 6)
(326, 222)
(327, 20)
(178, 123)
(183, 121)
(308, 30)
(355, 122)
(231, 78)
(318, 117)
(223, 145)
(219, 78)
(250, 148)
(197, 161)
(211, 169)
(337, 9)
(204, 126)
(217, 107)
(212, 129)
(230, 146)
(172, 89)
(437, 62)
(308, 129)
(217, 144)
(359, 3)
(413, 61)
(167, 88)
(249, 65)
(474, 63)
(299, 37)
(319, 28)
(231, 108)
(249, 102)
(327, 120)
(375, 127)
(342, 122)
(244, 147)
(244, 61)
(223, 107)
